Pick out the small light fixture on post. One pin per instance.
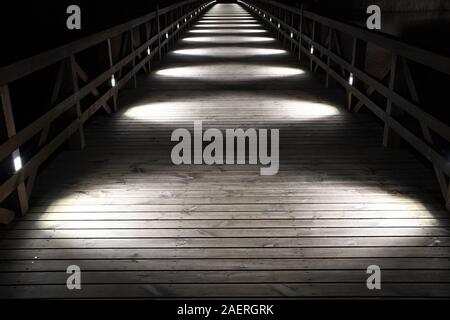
(148, 51)
(17, 160)
(351, 79)
(113, 81)
(312, 49)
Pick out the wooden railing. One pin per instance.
(140, 40)
(299, 28)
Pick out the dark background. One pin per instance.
(29, 27)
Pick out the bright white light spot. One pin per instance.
(278, 26)
(222, 31)
(230, 51)
(185, 19)
(350, 80)
(229, 39)
(292, 35)
(113, 81)
(228, 21)
(312, 49)
(148, 51)
(231, 71)
(270, 19)
(178, 26)
(167, 36)
(228, 25)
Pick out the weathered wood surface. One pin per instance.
(139, 226)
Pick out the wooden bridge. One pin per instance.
(140, 227)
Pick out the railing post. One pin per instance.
(293, 38)
(359, 61)
(148, 35)
(134, 58)
(166, 47)
(390, 138)
(313, 35)
(10, 128)
(330, 41)
(111, 63)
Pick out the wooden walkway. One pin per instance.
(138, 226)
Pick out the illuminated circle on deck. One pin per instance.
(228, 25)
(228, 39)
(229, 52)
(279, 110)
(219, 31)
(228, 21)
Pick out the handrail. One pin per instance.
(362, 85)
(180, 15)
(27, 66)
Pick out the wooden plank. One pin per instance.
(232, 223)
(6, 216)
(228, 233)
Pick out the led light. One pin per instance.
(312, 49)
(113, 81)
(17, 160)
(270, 19)
(278, 26)
(292, 35)
(264, 15)
(178, 26)
(148, 51)
(185, 19)
(350, 80)
(167, 35)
